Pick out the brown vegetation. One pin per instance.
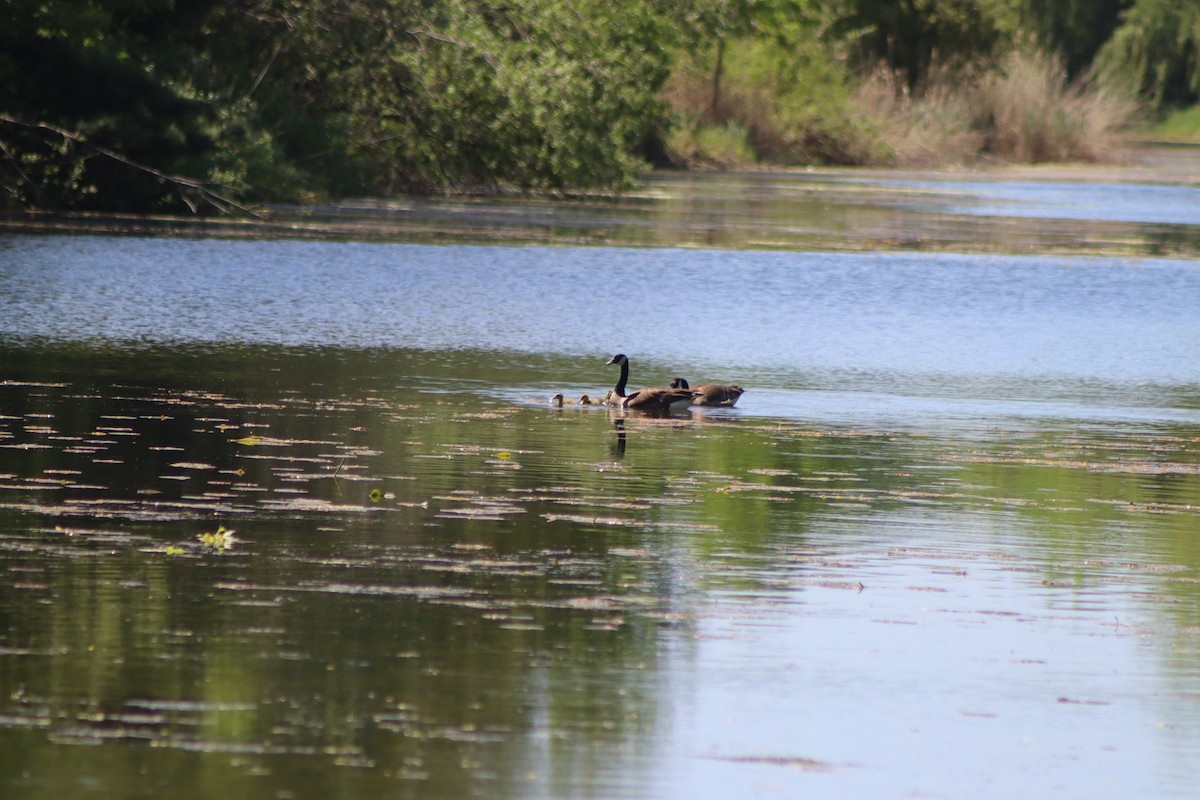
(1022, 108)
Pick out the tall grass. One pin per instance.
(1022, 108)
(934, 126)
(1029, 111)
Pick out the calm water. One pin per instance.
(294, 518)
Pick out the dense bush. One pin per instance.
(787, 101)
(111, 102)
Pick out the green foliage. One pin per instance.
(1074, 29)
(1158, 44)
(1182, 125)
(77, 67)
(544, 96)
(780, 84)
(139, 105)
(911, 36)
(725, 146)
(274, 99)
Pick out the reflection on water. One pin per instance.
(298, 520)
(1147, 207)
(327, 573)
(1138, 203)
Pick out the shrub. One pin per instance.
(928, 127)
(1023, 108)
(699, 145)
(793, 102)
(1029, 111)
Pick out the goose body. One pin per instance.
(655, 401)
(711, 394)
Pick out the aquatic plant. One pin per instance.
(220, 539)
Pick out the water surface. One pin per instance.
(1146, 206)
(295, 519)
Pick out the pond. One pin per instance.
(292, 516)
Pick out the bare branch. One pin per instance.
(215, 199)
(418, 33)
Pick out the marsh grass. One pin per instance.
(788, 110)
(931, 127)
(1029, 111)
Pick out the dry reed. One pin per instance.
(1022, 108)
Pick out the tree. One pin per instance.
(909, 36)
(1074, 29)
(1158, 44)
(534, 94)
(112, 102)
(82, 106)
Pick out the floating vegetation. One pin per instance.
(316, 505)
(221, 539)
(585, 519)
(794, 762)
(419, 567)
(192, 465)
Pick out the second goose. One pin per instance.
(711, 394)
(656, 401)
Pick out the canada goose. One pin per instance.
(557, 401)
(710, 394)
(660, 401)
(584, 400)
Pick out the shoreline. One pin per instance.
(675, 208)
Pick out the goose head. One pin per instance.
(619, 358)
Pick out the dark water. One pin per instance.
(294, 519)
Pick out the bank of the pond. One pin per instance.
(1145, 206)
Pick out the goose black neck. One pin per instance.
(619, 391)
